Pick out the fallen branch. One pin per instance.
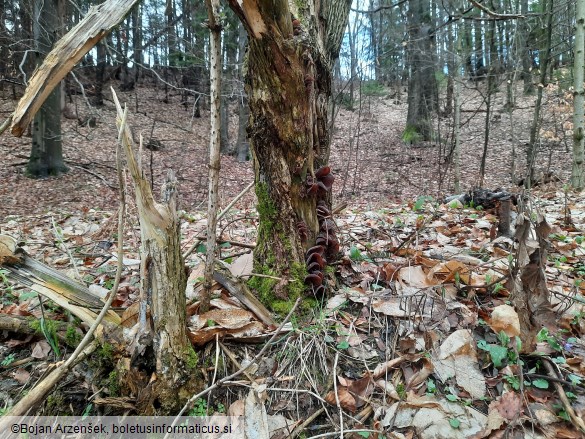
(67, 52)
(575, 420)
(244, 295)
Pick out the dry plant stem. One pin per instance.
(299, 429)
(239, 371)
(233, 359)
(337, 395)
(5, 125)
(84, 349)
(575, 420)
(67, 250)
(220, 216)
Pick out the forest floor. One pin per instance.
(408, 324)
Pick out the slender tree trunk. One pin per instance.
(137, 41)
(242, 144)
(491, 79)
(524, 51)
(100, 73)
(545, 52)
(457, 116)
(214, 146)
(577, 178)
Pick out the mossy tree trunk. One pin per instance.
(292, 49)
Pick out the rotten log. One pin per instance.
(50, 283)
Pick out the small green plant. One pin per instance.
(421, 201)
(343, 345)
(513, 381)
(8, 360)
(87, 411)
(220, 408)
(455, 423)
(558, 237)
(401, 390)
(355, 254)
(540, 383)
(431, 387)
(199, 408)
(500, 352)
(114, 383)
(544, 336)
(451, 397)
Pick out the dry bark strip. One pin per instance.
(62, 290)
(67, 52)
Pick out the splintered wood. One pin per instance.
(66, 53)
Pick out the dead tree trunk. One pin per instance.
(162, 315)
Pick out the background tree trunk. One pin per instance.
(422, 85)
(46, 157)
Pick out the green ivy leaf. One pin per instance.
(540, 383)
(455, 423)
(451, 398)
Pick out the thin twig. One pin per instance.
(59, 237)
(298, 430)
(220, 216)
(337, 395)
(575, 420)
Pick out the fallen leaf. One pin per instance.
(457, 358)
(21, 375)
(505, 318)
(41, 350)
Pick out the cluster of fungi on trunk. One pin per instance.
(326, 244)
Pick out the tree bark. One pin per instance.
(577, 178)
(422, 85)
(46, 157)
(290, 58)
